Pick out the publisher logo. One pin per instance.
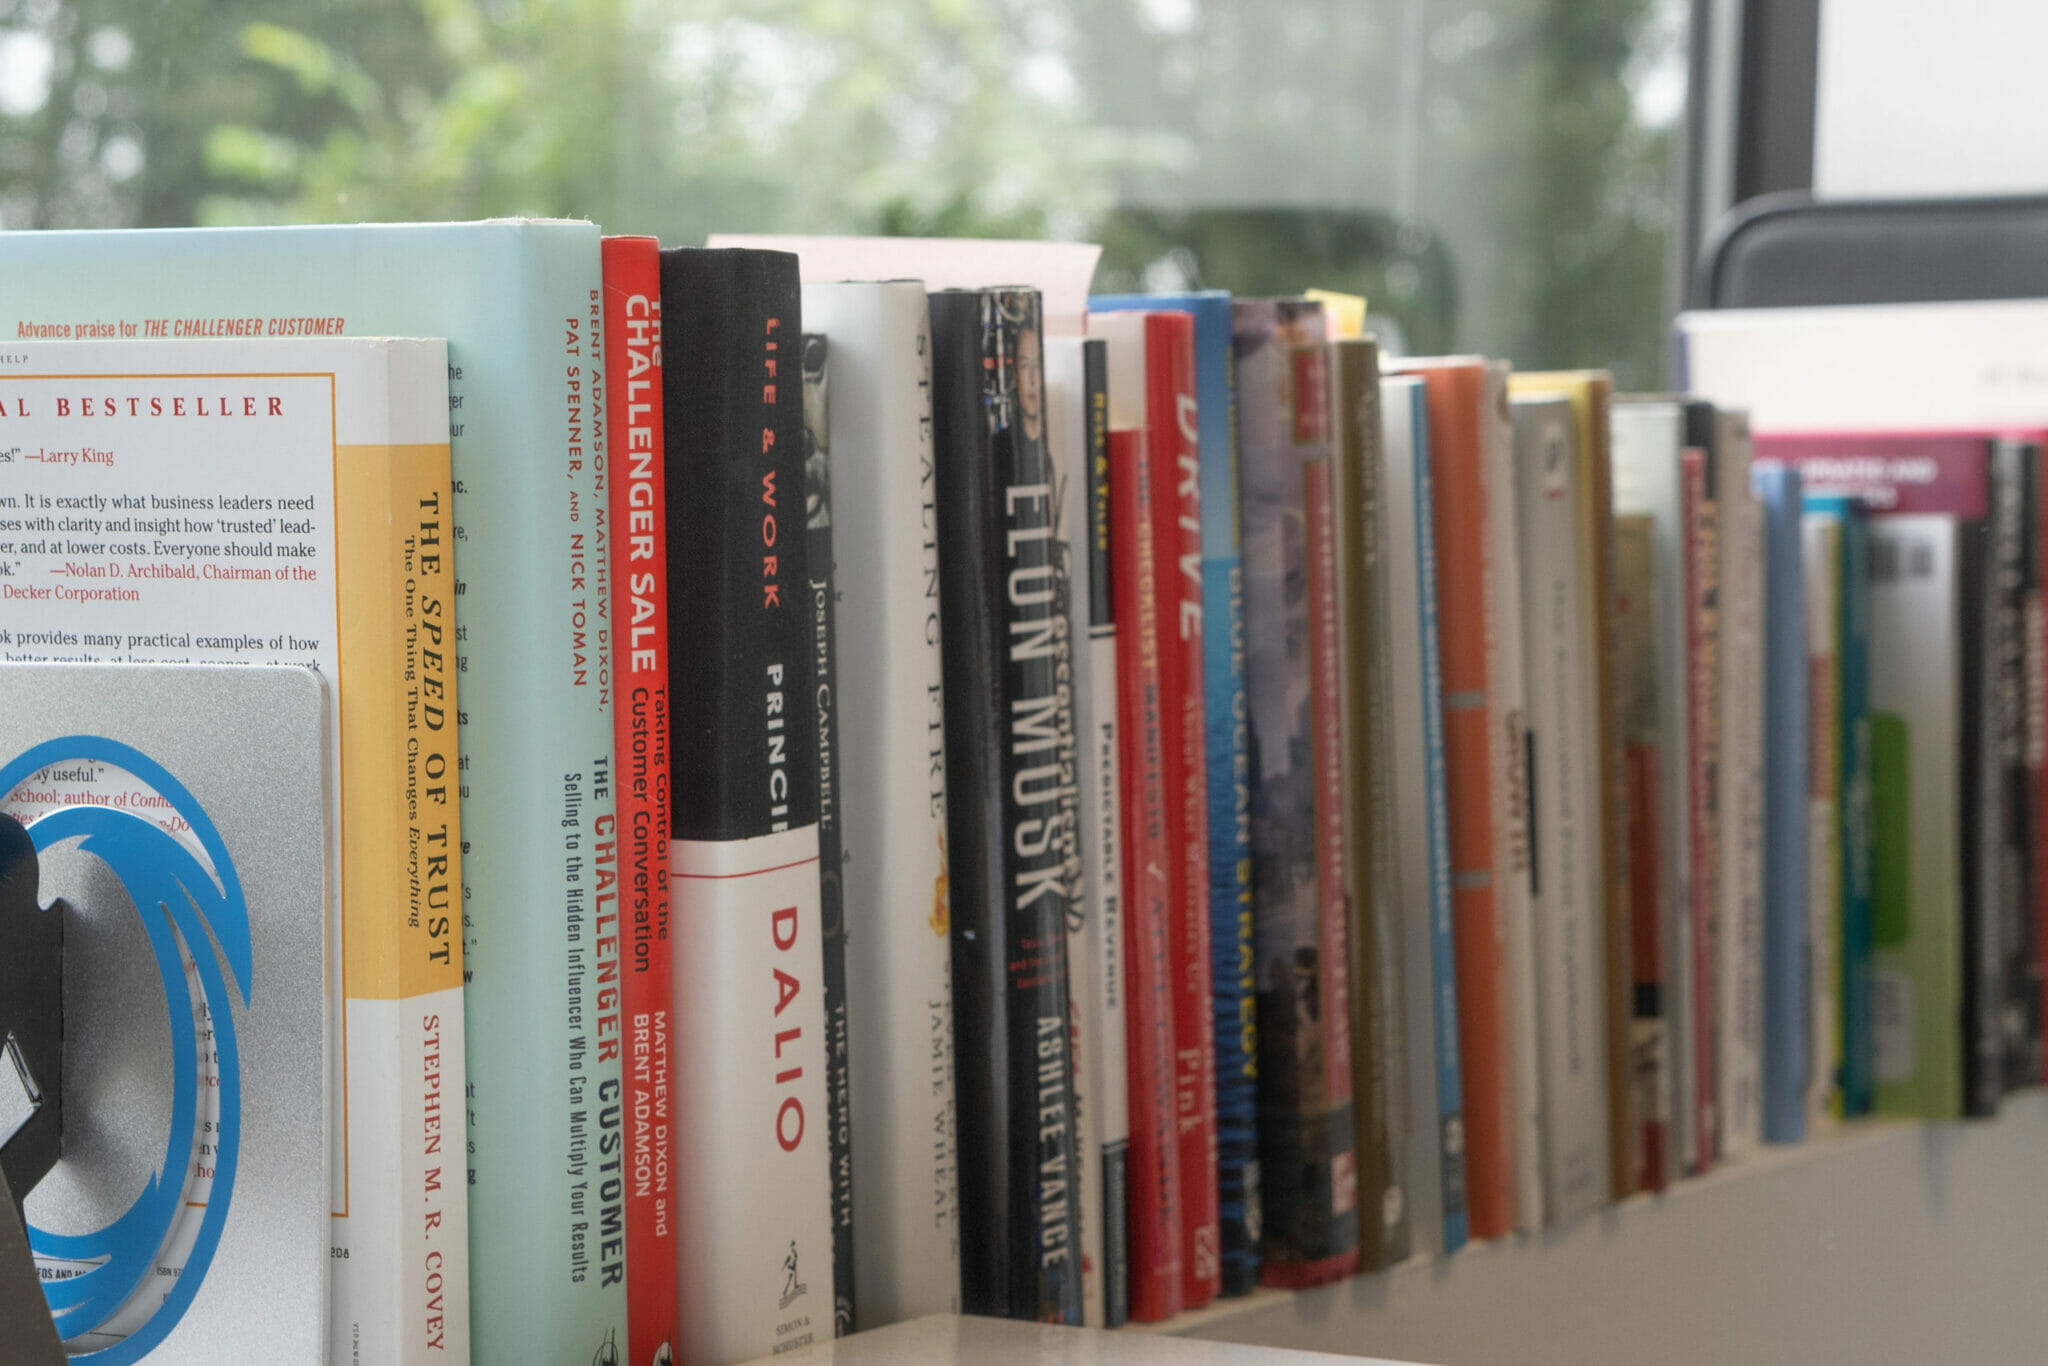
(793, 1289)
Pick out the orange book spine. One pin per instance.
(1456, 399)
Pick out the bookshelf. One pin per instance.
(1881, 1241)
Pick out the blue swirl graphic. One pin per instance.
(158, 872)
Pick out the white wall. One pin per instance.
(1932, 97)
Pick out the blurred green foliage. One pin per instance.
(1482, 171)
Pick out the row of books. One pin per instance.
(1189, 801)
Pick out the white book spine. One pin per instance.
(1559, 648)
(1095, 942)
(1510, 791)
(751, 1053)
(1741, 942)
(892, 735)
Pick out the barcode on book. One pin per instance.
(1892, 560)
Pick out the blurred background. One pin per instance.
(1503, 176)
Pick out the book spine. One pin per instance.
(1228, 767)
(753, 1177)
(2017, 528)
(1474, 722)
(1984, 549)
(1385, 1196)
(1306, 1157)
(892, 745)
(821, 596)
(1785, 1029)
(1010, 793)
(1102, 825)
(1067, 438)
(640, 727)
(1700, 547)
(1742, 712)
(1565, 832)
(1450, 1091)
(1355, 444)
(543, 1094)
(1636, 704)
(1177, 540)
(1156, 1195)
(2037, 759)
(397, 706)
(1822, 548)
(1509, 719)
(1857, 1061)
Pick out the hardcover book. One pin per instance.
(753, 1179)
(520, 303)
(288, 501)
(1077, 400)
(1307, 1155)
(2010, 864)
(1787, 1040)
(1233, 984)
(892, 800)
(637, 490)
(1011, 798)
(1422, 869)
(1702, 600)
(1589, 392)
(185, 818)
(1564, 801)
(1478, 576)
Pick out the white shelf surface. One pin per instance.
(1878, 1242)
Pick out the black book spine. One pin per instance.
(736, 607)
(2013, 500)
(1977, 644)
(2034, 738)
(1009, 780)
(823, 571)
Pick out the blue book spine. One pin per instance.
(1229, 768)
(1786, 1039)
(1450, 1085)
(1853, 747)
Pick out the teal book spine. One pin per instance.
(520, 303)
(1229, 776)
(1853, 752)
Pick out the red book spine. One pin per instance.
(1154, 1165)
(1702, 701)
(637, 502)
(1457, 408)
(1177, 542)
(1326, 703)
(1645, 860)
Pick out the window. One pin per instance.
(1495, 175)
